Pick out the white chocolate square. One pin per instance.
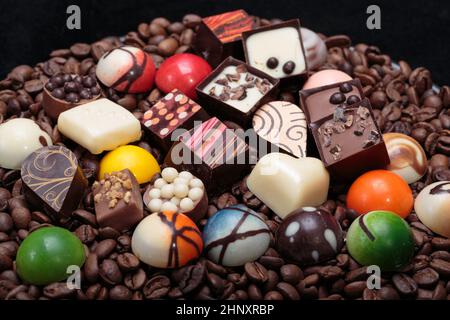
(285, 183)
(98, 126)
(284, 44)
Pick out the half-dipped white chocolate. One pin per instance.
(285, 183)
(315, 49)
(99, 126)
(18, 139)
(432, 206)
(282, 124)
(276, 50)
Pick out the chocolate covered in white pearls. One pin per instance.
(18, 139)
(432, 206)
(177, 192)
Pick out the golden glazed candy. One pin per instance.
(408, 159)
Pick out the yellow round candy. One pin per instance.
(139, 161)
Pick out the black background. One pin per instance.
(416, 31)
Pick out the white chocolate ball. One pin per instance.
(169, 174)
(186, 204)
(195, 194)
(167, 191)
(18, 139)
(186, 175)
(159, 183)
(196, 183)
(180, 190)
(181, 181)
(155, 205)
(169, 206)
(175, 201)
(154, 193)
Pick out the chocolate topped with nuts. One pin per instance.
(118, 202)
(235, 90)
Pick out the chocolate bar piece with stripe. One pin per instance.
(212, 152)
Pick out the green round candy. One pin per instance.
(381, 238)
(44, 256)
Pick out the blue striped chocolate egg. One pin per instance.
(235, 235)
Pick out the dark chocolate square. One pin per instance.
(236, 87)
(219, 36)
(174, 111)
(213, 153)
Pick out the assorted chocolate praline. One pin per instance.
(171, 240)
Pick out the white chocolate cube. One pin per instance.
(285, 183)
(99, 126)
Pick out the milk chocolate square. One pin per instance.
(219, 36)
(174, 111)
(235, 90)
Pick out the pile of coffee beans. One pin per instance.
(403, 100)
(73, 88)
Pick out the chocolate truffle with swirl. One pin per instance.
(283, 125)
(53, 180)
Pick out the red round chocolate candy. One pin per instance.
(182, 71)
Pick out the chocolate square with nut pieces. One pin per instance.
(213, 153)
(235, 90)
(220, 36)
(173, 111)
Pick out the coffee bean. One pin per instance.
(215, 282)
(110, 273)
(441, 243)
(6, 222)
(175, 293)
(255, 272)
(5, 195)
(9, 248)
(191, 20)
(80, 50)
(288, 291)
(120, 292)
(272, 281)
(273, 295)
(136, 280)
(5, 287)
(108, 233)
(226, 200)
(439, 293)
(21, 217)
(341, 41)
(127, 261)
(426, 278)
(404, 284)
(5, 262)
(274, 263)
(291, 273)
(441, 266)
(123, 243)
(105, 247)
(85, 217)
(215, 268)
(331, 273)
(192, 277)
(157, 287)
(311, 280)
(97, 292)
(254, 293)
(58, 290)
(33, 86)
(423, 294)
(186, 37)
(357, 275)
(444, 255)
(91, 269)
(86, 233)
(355, 289)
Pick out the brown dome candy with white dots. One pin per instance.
(178, 192)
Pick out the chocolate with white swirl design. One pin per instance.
(52, 179)
(284, 125)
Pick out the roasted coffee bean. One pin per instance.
(274, 263)
(426, 278)
(6, 222)
(355, 289)
(120, 292)
(123, 243)
(91, 269)
(127, 261)
(226, 200)
(105, 247)
(216, 268)
(311, 280)
(97, 292)
(254, 293)
(444, 255)
(157, 287)
(110, 273)
(215, 282)
(191, 20)
(5, 287)
(85, 217)
(404, 284)
(58, 290)
(5, 262)
(5, 195)
(255, 272)
(108, 233)
(21, 217)
(9, 248)
(439, 293)
(240, 281)
(423, 294)
(228, 290)
(192, 277)
(175, 293)
(441, 243)
(291, 273)
(136, 280)
(288, 291)
(272, 281)
(357, 275)
(441, 266)
(273, 295)
(86, 233)
(331, 273)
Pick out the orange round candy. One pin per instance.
(167, 240)
(380, 190)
